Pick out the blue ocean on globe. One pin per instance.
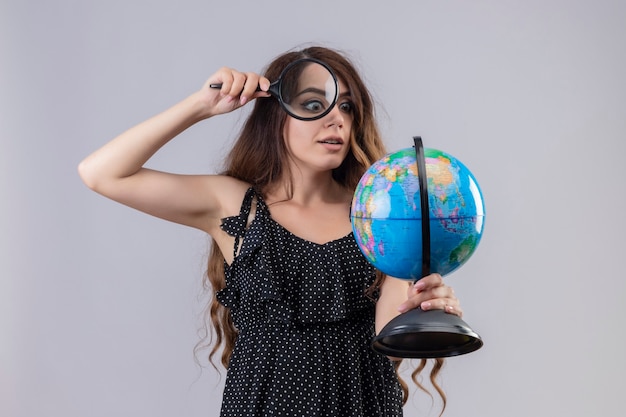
(387, 220)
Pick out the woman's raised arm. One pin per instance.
(117, 170)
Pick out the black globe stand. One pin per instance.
(425, 334)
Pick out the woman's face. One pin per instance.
(321, 145)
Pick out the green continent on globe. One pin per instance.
(386, 213)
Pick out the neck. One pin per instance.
(308, 189)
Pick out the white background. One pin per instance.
(99, 304)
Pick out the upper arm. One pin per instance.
(393, 292)
(198, 201)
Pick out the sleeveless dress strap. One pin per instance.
(236, 225)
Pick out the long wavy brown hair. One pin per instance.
(257, 157)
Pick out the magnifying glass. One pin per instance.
(307, 89)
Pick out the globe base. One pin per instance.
(426, 334)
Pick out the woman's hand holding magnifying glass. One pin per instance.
(236, 88)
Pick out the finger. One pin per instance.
(425, 293)
(410, 304)
(456, 310)
(252, 83)
(225, 77)
(434, 298)
(264, 83)
(449, 305)
(250, 87)
(429, 281)
(262, 89)
(239, 81)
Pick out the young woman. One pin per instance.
(294, 303)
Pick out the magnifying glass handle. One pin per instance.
(218, 86)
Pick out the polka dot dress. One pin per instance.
(305, 326)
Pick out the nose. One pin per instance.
(334, 117)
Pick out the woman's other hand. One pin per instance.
(431, 293)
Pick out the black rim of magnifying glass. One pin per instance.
(276, 88)
(279, 95)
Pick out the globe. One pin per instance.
(387, 220)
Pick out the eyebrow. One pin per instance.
(321, 92)
(311, 90)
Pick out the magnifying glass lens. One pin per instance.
(308, 90)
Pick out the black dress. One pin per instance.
(305, 326)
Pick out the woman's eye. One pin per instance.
(347, 107)
(313, 106)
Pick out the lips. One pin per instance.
(332, 141)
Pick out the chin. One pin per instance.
(333, 166)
